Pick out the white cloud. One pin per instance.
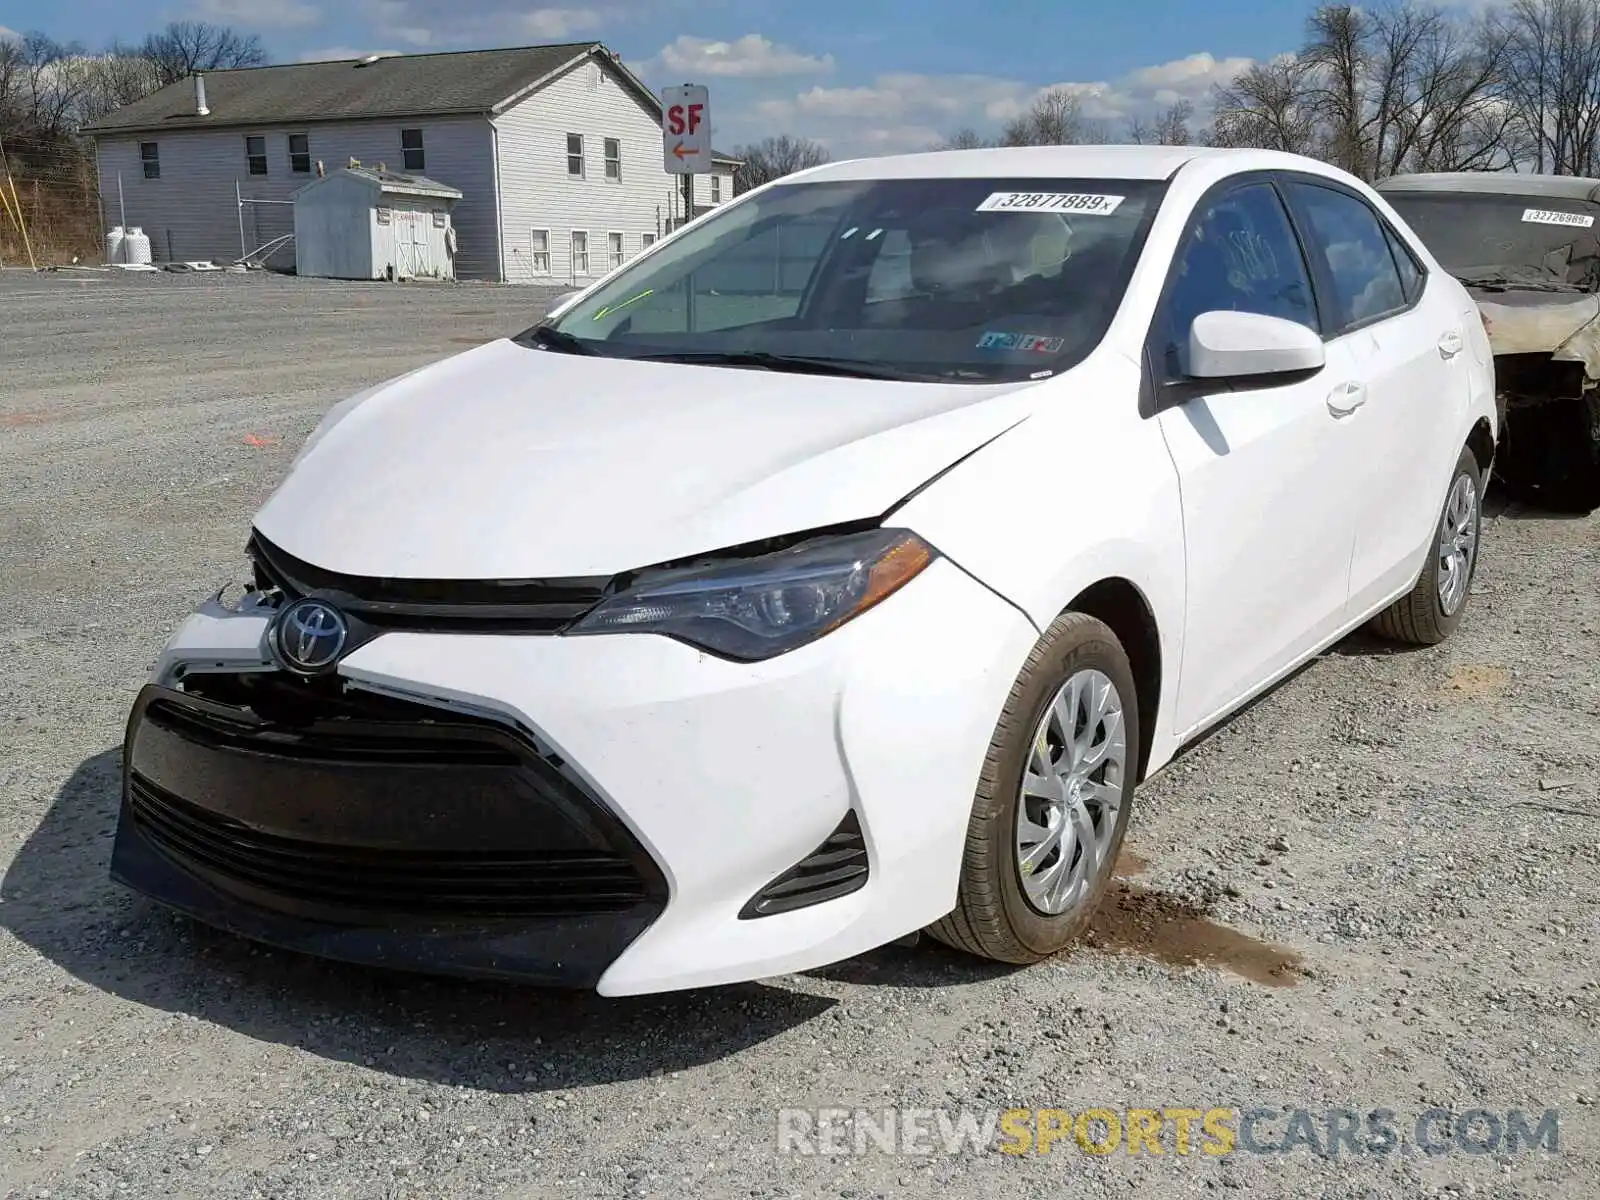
(751, 56)
(278, 14)
(900, 112)
(474, 23)
(9, 35)
(341, 53)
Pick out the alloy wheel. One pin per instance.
(1458, 543)
(1071, 792)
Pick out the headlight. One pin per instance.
(756, 608)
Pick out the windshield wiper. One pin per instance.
(552, 338)
(799, 364)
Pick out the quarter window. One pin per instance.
(299, 154)
(150, 156)
(411, 150)
(1240, 254)
(1411, 273)
(255, 154)
(575, 155)
(1354, 248)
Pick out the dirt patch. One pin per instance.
(1137, 920)
(1475, 681)
(24, 418)
(1133, 919)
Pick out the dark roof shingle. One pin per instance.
(393, 86)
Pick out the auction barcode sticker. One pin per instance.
(1069, 202)
(1544, 216)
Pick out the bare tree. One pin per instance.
(964, 139)
(1169, 127)
(1552, 81)
(773, 158)
(1405, 86)
(1269, 106)
(1055, 118)
(184, 47)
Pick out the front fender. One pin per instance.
(1085, 492)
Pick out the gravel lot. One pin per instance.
(1375, 889)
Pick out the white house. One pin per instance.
(362, 223)
(556, 151)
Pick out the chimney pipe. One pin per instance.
(200, 96)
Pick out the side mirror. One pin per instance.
(1241, 345)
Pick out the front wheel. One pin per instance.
(1053, 799)
(1434, 607)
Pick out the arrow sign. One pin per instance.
(686, 129)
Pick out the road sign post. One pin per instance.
(686, 136)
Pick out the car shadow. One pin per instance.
(502, 1037)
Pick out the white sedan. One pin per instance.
(834, 570)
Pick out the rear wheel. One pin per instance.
(1434, 607)
(1053, 800)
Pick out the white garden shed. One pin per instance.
(371, 223)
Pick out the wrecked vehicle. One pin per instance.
(1526, 248)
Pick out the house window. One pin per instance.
(580, 252)
(539, 244)
(716, 189)
(575, 154)
(614, 244)
(255, 154)
(299, 154)
(647, 241)
(613, 159)
(150, 156)
(411, 150)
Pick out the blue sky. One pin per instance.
(860, 75)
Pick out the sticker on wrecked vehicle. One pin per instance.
(1545, 216)
(1088, 204)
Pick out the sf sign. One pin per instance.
(686, 129)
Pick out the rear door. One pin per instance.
(1264, 469)
(1406, 340)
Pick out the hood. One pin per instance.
(509, 463)
(1534, 322)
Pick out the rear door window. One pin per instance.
(1353, 246)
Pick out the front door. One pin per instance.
(1264, 471)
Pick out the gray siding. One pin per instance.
(189, 212)
(538, 193)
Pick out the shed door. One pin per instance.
(421, 242)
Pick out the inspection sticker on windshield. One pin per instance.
(1022, 341)
(1544, 216)
(1086, 203)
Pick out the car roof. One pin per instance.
(1067, 162)
(1495, 183)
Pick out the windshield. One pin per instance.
(975, 280)
(1506, 239)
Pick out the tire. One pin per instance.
(1431, 611)
(996, 916)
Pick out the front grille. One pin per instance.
(835, 868)
(387, 882)
(485, 605)
(343, 805)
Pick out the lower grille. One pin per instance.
(475, 884)
(835, 868)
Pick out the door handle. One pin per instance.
(1346, 398)
(1450, 343)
